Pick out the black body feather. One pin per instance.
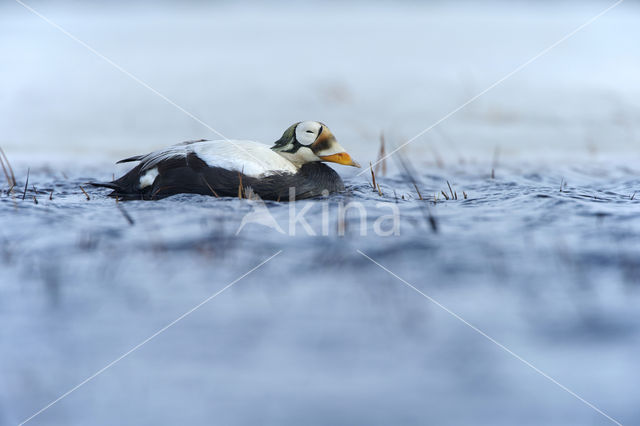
(192, 175)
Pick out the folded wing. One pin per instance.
(216, 168)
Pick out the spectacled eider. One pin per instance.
(221, 167)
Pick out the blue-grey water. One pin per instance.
(544, 257)
(544, 260)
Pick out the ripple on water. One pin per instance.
(553, 269)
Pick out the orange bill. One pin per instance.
(340, 158)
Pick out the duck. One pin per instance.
(293, 168)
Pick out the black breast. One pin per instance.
(192, 175)
(311, 181)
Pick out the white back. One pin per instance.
(252, 158)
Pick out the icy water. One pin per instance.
(545, 260)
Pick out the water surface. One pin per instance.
(544, 260)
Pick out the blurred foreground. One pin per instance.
(544, 257)
(320, 334)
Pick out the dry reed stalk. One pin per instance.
(6, 175)
(85, 193)
(417, 190)
(125, 213)
(11, 177)
(210, 188)
(373, 176)
(381, 162)
(240, 189)
(451, 190)
(494, 163)
(24, 193)
(426, 210)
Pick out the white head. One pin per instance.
(310, 141)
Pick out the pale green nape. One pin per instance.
(286, 139)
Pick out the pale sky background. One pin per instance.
(250, 70)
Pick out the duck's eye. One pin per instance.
(309, 131)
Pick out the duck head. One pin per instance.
(309, 141)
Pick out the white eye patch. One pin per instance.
(307, 132)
